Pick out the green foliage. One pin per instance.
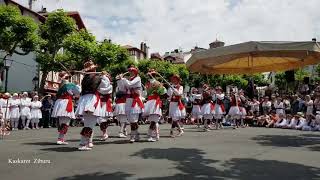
(166, 69)
(17, 31)
(300, 74)
(109, 54)
(280, 80)
(53, 33)
(80, 46)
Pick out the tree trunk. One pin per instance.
(43, 82)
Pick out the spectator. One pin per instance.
(274, 118)
(47, 105)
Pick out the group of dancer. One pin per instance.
(95, 104)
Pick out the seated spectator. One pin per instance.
(317, 122)
(293, 122)
(249, 118)
(301, 121)
(273, 119)
(262, 120)
(285, 124)
(281, 122)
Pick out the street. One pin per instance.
(249, 153)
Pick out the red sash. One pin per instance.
(97, 94)
(121, 100)
(221, 105)
(157, 98)
(212, 106)
(136, 100)
(178, 99)
(107, 98)
(70, 103)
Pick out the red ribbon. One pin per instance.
(137, 100)
(157, 98)
(70, 103)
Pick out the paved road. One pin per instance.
(244, 154)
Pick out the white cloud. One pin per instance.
(170, 24)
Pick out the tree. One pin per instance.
(300, 74)
(78, 47)
(53, 32)
(18, 34)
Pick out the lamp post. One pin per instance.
(35, 82)
(7, 64)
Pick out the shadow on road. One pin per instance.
(304, 140)
(192, 164)
(61, 149)
(98, 175)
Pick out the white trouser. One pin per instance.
(90, 121)
(14, 122)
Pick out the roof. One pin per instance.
(156, 56)
(21, 7)
(75, 15)
(296, 53)
(129, 47)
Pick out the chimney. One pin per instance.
(43, 10)
(216, 44)
(145, 49)
(314, 39)
(141, 46)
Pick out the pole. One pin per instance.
(6, 82)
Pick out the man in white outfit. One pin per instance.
(89, 105)
(105, 90)
(177, 111)
(134, 104)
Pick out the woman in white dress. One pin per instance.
(36, 114)
(15, 111)
(25, 113)
(196, 99)
(309, 105)
(279, 106)
(219, 106)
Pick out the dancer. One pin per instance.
(89, 105)
(25, 114)
(242, 103)
(234, 111)
(134, 104)
(36, 113)
(105, 90)
(176, 107)
(196, 99)
(120, 106)
(208, 108)
(219, 107)
(153, 106)
(15, 111)
(63, 107)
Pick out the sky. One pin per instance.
(166, 25)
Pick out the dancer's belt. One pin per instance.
(70, 103)
(157, 98)
(121, 98)
(177, 99)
